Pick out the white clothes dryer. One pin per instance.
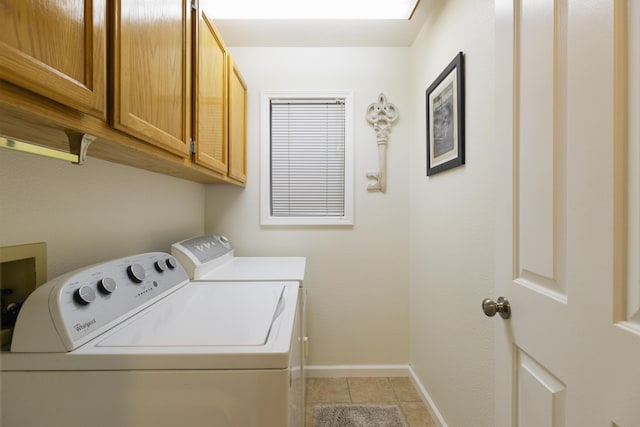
(211, 257)
(133, 342)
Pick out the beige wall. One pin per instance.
(94, 212)
(452, 223)
(357, 278)
(361, 297)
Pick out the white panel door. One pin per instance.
(567, 257)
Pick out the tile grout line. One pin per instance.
(399, 402)
(393, 389)
(349, 390)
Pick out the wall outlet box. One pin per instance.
(22, 269)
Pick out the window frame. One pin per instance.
(265, 159)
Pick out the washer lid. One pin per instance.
(204, 315)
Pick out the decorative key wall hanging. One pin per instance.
(381, 116)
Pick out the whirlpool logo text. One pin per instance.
(80, 326)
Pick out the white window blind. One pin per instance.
(307, 158)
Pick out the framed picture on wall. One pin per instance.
(445, 118)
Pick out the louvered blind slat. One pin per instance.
(307, 158)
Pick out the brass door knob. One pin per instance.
(491, 307)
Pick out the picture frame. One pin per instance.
(445, 118)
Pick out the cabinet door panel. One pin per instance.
(237, 124)
(57, 48)
(151, 75)
(210, 96)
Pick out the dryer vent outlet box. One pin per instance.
(22, 269)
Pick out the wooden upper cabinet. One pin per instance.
(151, 71)
(210, 92)
(146, 77)
(237, 124)
(58, 49)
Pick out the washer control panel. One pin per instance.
(87, 302)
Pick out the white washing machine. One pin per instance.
(133, 342)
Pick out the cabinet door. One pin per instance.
(237, 124)
(210, 94)
(152, 71)
(56, 48)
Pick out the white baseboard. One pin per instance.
(426, 398)
(330, 371)
(334, 371)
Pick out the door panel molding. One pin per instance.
(627, 166)
(540, 41)
(541, 396)
(541, 285)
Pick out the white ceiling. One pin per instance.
(319, 33)
(313, 9)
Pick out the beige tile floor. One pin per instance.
(377, 390)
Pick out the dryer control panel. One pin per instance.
(200, 254)
(72, 309)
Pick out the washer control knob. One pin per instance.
(223, 240)
(84, 295)
(107, 285)
(171, 263)
(160, 266)
(136, 273)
